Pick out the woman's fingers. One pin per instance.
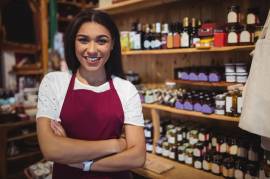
(58, 129)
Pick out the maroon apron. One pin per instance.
(88, 115)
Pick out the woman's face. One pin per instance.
(93, 44)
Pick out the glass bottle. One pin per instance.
(185, 35)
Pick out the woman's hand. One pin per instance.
(58, 129)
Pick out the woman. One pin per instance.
(93, 105)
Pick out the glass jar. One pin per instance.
(207, 106)
(240, 169)
(232, 146)
(220, 110)
(253, 152)
(173, 152)
(220, 100)
(188, 104)
(198, 150)
(207, 160)
(181, 153)
(222, 145)
(242, 151)
(149, 145)
(203, 134)
(228, 167)
(198, 162)
(213, 140)
(159, 147)
(165, 149)
(233, 36)
(179, 134)
(193, 139)
(172, 136)
(216, 164)
(148, 129)
(252, 171)
(189, 156)
(245, 37)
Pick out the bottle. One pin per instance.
(239, 103)
(245, 37)
(157, 35)
(147, 38)
(164, 34)
(194, 37)
(185, 36)
(233, 16)
(138, 37)
(176, 35)
(233, 36)
(170, 37)
(231, 104)
(153, 36)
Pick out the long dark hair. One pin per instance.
(114, 64)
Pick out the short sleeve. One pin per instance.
(133, 108)
(48, 104)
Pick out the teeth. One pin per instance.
(92, 58)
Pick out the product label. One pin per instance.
(251, 18)
(232, 38)
(215, 168)
(214, 141)
(198, 164)
(147, 44)
(239, 104)
(172, 155)
(232, 17)
(149, 147)
(157, 43)
(158, 150)
(184, 39)
(137, 42)
(245, 37)
(206, 165)
(171, 140)
(188, 160)
(147, 133)
(197, 153)
(223, 148)
(181, 157)
(202, 137)
(238, 174)
(233, 149)
(220, 102)
(228, 104)
(179, 137)
(165, 153)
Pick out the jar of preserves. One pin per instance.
(243, 147)
(228, 167)
(193, 139)
(207, 160)
(179, 134)
(232, 146)
(222, 145)
(159, 147)
(216, 164)
(189, 156)
(181, 153)
(203, 134)
(165, 149)
(149, 145)
(198, 162)
(148, 129)
(172, 136)
(198, 150)
(240, 169)
(233, 36)
(252, 171)
(253, 152)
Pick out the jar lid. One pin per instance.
(240, 64)
(241, 74)
(230, 74)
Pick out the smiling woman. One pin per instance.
(81, 114)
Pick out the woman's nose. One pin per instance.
(91, 48)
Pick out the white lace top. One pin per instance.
(53, 89)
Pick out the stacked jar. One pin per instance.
(236, 72)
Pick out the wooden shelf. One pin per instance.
(188, 50)
(190, 113)
(132, 5)
(20, 48)
(24, 155)
(179, 171)
(17, 124)
(221, 84)
(29, 72)
(23, 136)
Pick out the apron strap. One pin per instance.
(71, 83)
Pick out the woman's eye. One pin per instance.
(102, 41)
(83, 40)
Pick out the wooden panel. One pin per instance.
(156, 125)
(178, 172)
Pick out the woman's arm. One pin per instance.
(133, 157)
(66, 150)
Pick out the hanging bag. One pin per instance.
(255, 115)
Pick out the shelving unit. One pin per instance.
(189, 50)
(156, 66)
(5, 139)
(221, 84)
(20, 48)
(190, 113)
